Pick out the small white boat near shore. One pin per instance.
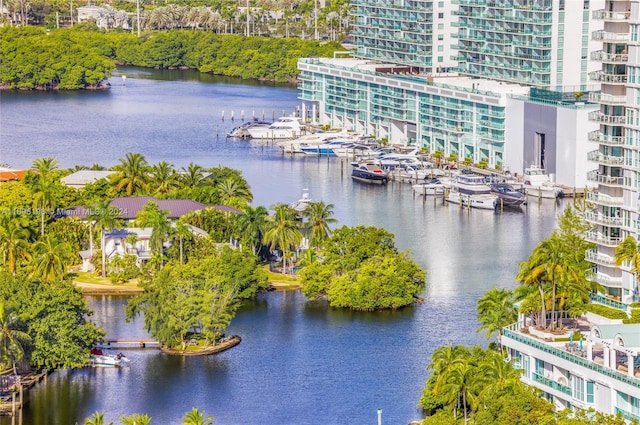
(485, 201)
(98, 358)
(429, 188)
(538, 183)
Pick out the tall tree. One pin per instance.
(628, 250)
(44, 187)
(152, 216)
(283, 230)
(14, 241)
(195, 417)
(319, 218)
(233, 192)
(252, 226)
(163, 179)
(131, 174)
(495, 311)
(103, 217)
(12, 337)
(52, 257)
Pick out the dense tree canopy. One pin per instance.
(361, 269)
(73, 59)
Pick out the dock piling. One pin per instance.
(242, 115)
(222, 116)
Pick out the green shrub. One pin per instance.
(608, 312)
(635, 316)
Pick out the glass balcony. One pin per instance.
(600, 199)
(627, 415)
(601, 158)
(510, 332)
(593, 256)
(597, 136)
(600, 239)
(611, 181)
(594, 217)
(608, 78)
(602, 56)
(610, 36)
(605, 15)
(598, 116)
(551, 384)
(607, 99)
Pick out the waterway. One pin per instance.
(299, 362)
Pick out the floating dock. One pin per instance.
(128, 343)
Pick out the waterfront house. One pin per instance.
(81, 178)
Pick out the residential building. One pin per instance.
(599, 369)
(484, 112)
(81, 178)
(617, 159)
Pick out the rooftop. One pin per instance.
(84, 177)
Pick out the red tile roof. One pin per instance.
(11, 175)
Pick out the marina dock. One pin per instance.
(129, 343)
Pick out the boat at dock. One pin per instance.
(507, 195)
(471, 184)
(482, 201)
(429, 188)
(242, 131)
(99, 358)
(284, 128)
(538, 183)
(369, 173)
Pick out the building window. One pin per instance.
(577, 385)
(440, 59)
(440, 4)
(440, 37)
(440, 15)
(441, 48)
(440, 26)
(590, 392)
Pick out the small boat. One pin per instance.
(537, 183)
(369, 173)
(242, 131)
(483, 201)
(471, 184)
(98, 358)
(303, 202)
(429, 188)
(507, 195)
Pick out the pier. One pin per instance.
(129, 343)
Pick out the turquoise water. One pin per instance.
(299, 362)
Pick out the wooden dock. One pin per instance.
(129, 343)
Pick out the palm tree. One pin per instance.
(192, 176)
(135, 419)
(528, 278)
(251, 225)
(131, 174)
(495, 311)
(45, 166)
(319, 217)
(628, 250)
(52, 258)
(447, 356)
(460, 382)
(231, 188)
(500, 373)
(195, 417)
(44, 186)
(96, 419)
(181, 230)
(14, 241)
(12, 339)
(283, 230)
(158, 220)
(163, 178)
(103, 217)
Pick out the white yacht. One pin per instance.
(537, 183)
(284, 128)
(309, 141)
(471, 184)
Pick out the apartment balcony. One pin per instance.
(610, 36)
(605, 15)
(607, 99)
(606, 200)
(606, 280)
(551, 384)
(610, 181)
(601, 158)
(605, 139)
(604, 220)
(600, 239)
(598, 116)
(602, 56)
(593, 256)
(608, 78)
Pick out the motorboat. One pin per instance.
(284, 128)
(303, 202)
(483, 201)
(99, 358)
(310, 141)
(537, 183)
(242, 131)
(507, 195)
(471, 184)
(369, 173)
(429, 188)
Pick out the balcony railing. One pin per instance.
(607, 200)
(511, 332)
(607, 78)
(601, 158)
(610, 16)
(598, 116)
(627, 415)
(610, 36)
(608, 99)
(597, 136)
(598, 218)
(593, 256)
(606, 280)
(552, 384)
(601, 299)
(601, 239)
(603, 56)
